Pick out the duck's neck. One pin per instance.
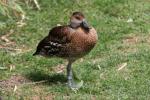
(85, 29)
(81, 27)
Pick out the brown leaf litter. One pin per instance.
(59, 68)
(5, 37)
(121, 66)
(10, 45)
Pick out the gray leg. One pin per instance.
(71, 82)
(69, 73)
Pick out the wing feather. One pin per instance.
(56, 40)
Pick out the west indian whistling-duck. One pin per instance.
(71, 42)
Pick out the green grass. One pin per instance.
(119, 42)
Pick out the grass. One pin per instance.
(124, 37)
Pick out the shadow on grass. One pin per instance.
(50, 79)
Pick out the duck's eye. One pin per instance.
(78, 18)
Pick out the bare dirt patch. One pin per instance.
(135, 39)
(49, 97)
(131, 40)
(130, 43)
(13, 81)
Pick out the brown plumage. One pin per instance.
(70, 42)
(65, 42)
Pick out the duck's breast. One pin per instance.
(83, 42)
(90, 40)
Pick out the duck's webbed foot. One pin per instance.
(75, 84)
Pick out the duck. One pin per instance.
(71, 42)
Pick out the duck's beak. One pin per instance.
(85, 24)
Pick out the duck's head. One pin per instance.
(78, 20)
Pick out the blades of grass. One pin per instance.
(37, 5)
(3, 68)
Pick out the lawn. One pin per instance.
(118, 68)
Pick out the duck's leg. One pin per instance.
(69, 73)
(72, 83)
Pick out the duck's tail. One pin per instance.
(36, 53)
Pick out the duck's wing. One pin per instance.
(52, 44)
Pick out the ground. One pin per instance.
(117, 68)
